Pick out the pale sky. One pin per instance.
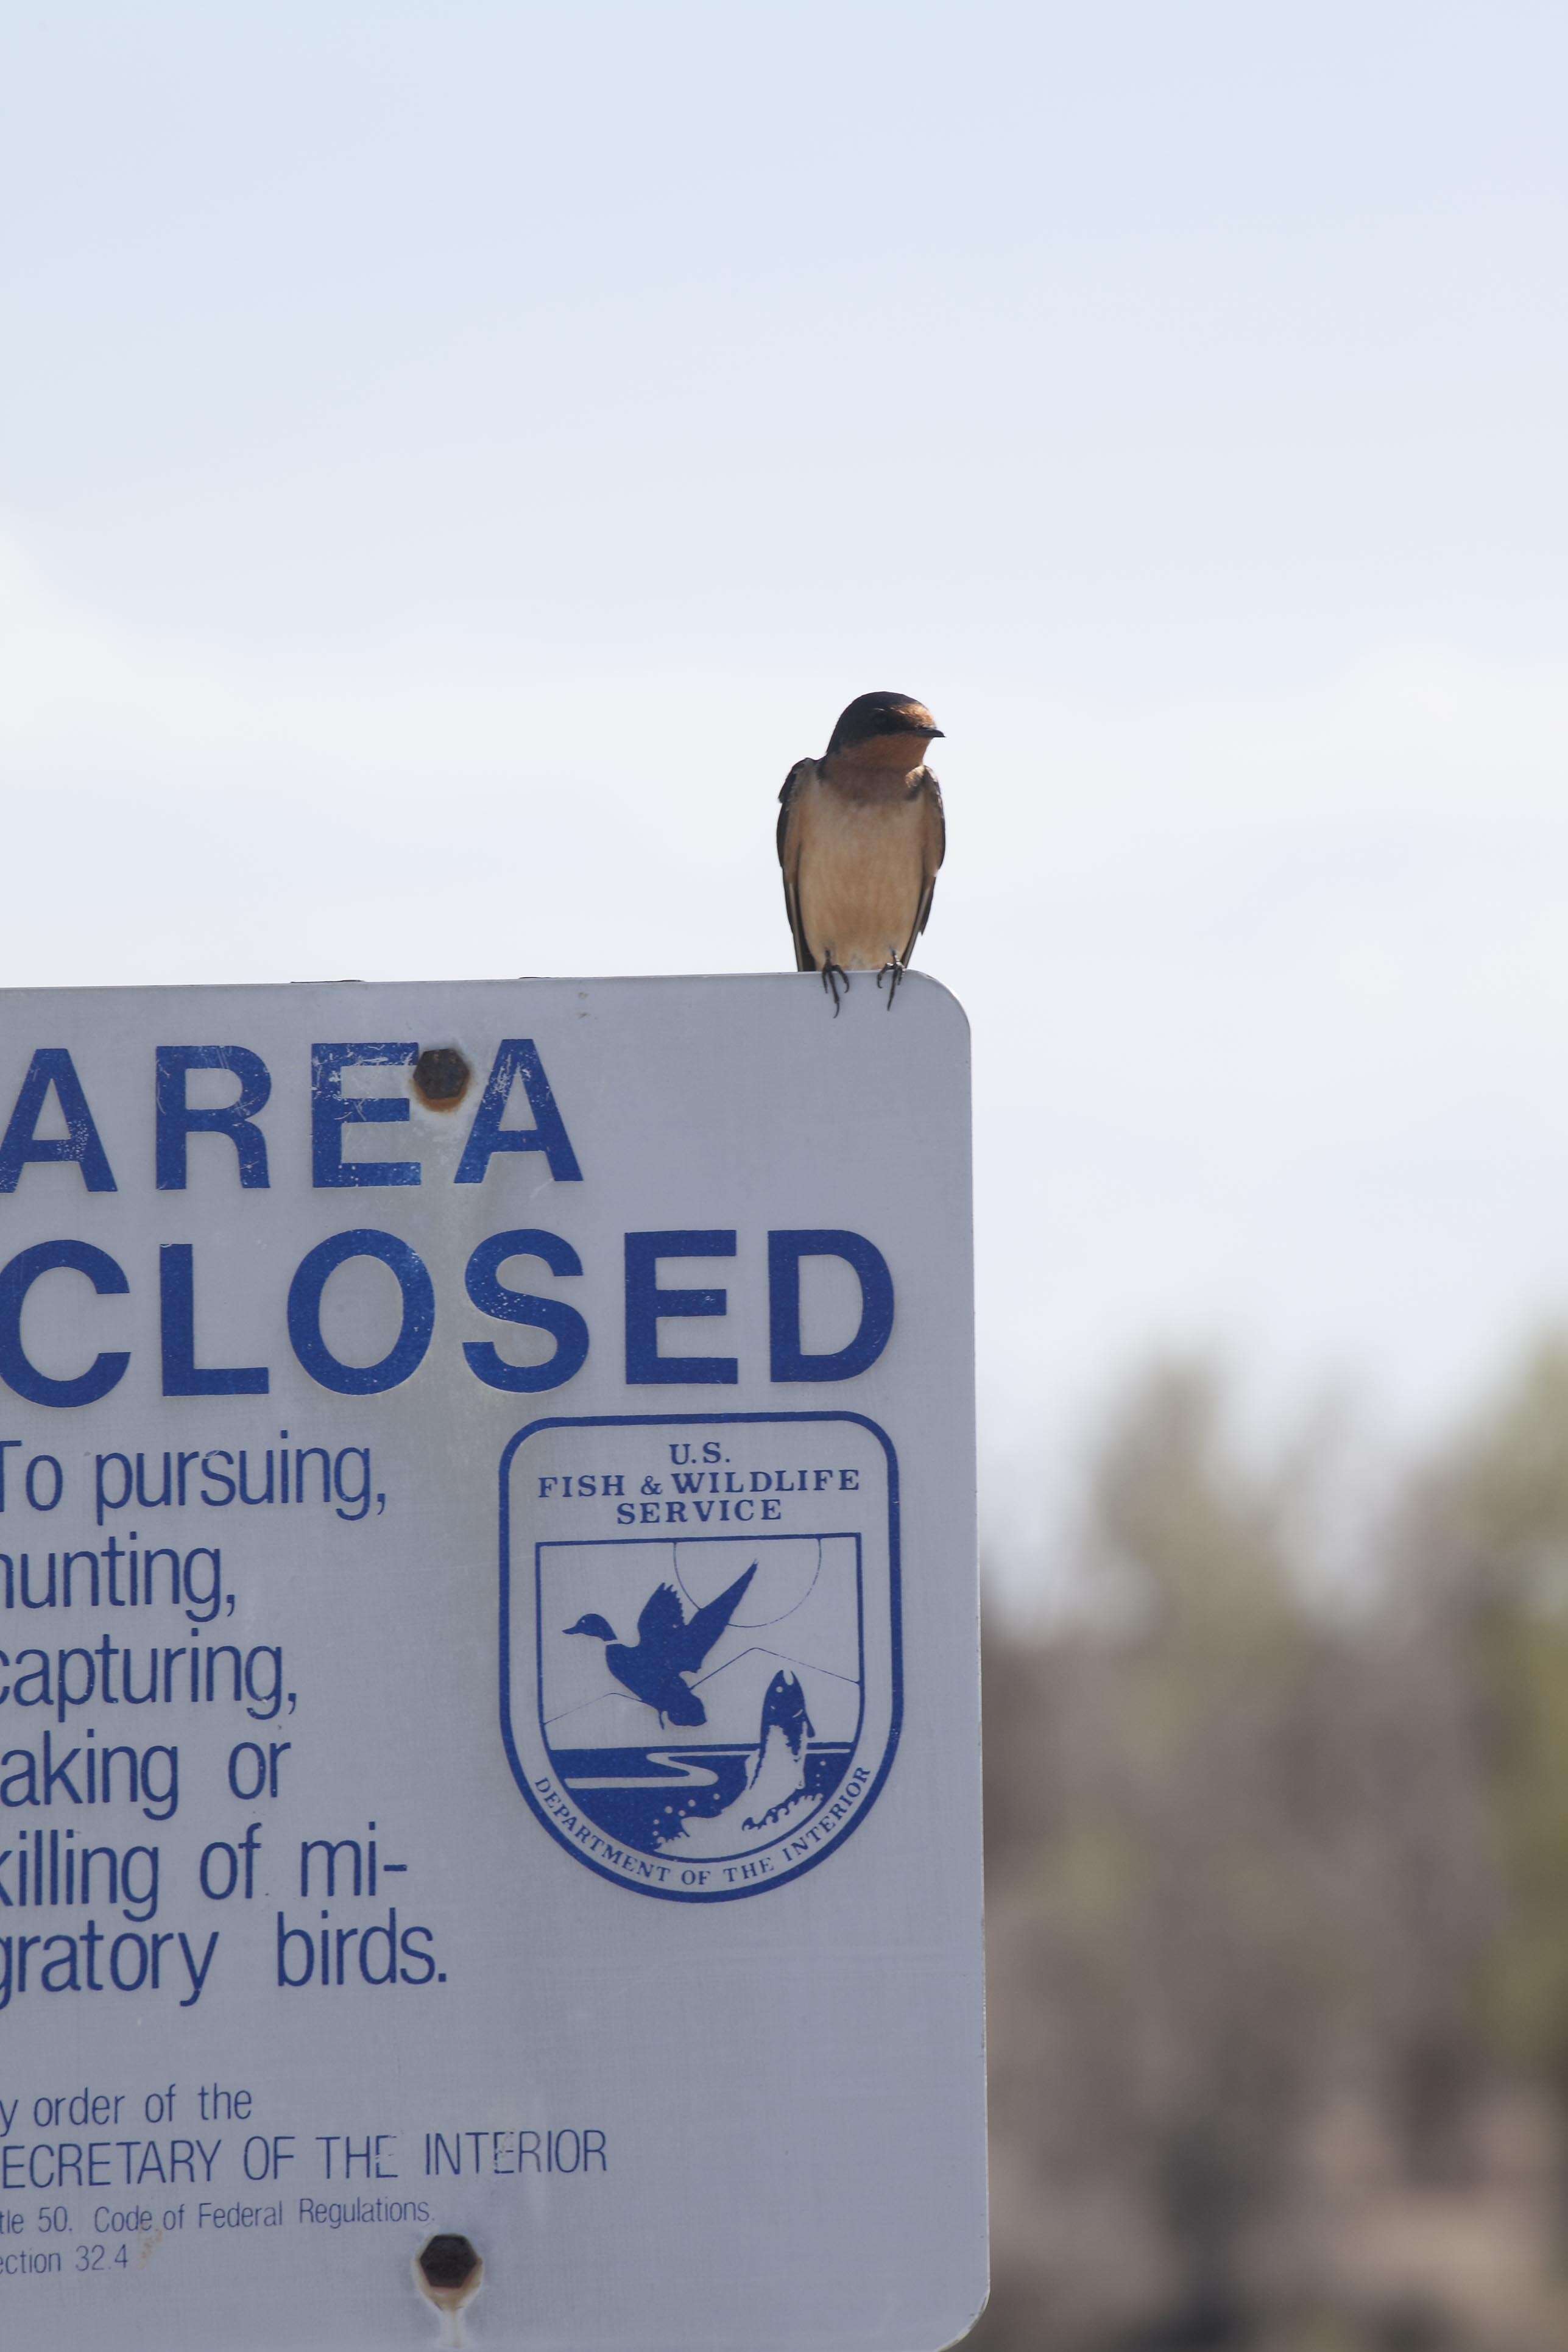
(453, 460)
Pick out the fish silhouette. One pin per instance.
(783, 1711)
(670, 1644)
(776, 1784)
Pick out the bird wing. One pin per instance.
(789, 857)
(663, 1620)
(933, 849)
(705, 1627)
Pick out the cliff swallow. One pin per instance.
(860, 836)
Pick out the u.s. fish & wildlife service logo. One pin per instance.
(700, 1687)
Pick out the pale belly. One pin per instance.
(861, 874)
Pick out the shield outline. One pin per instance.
(895, 1638)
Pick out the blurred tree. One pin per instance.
(1163, 1781)
(1492, 1523)
(1259, 1857)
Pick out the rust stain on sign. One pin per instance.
(442, 1076)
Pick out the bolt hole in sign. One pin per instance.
(488, 1756)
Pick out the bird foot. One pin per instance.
(897, 970)
(831, 973)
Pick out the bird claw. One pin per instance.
(831, 973)
(897, 970)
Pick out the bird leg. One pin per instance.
(831, 973)
(897, 968)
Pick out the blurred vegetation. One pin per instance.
(1278, 1903)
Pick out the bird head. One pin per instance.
(884, 727)
(598, 1626)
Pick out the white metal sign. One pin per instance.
(487, 1669)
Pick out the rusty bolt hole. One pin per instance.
(441, 1080)
(450, 2266)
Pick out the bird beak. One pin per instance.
(936, 733)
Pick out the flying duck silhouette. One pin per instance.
(668, 1645)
